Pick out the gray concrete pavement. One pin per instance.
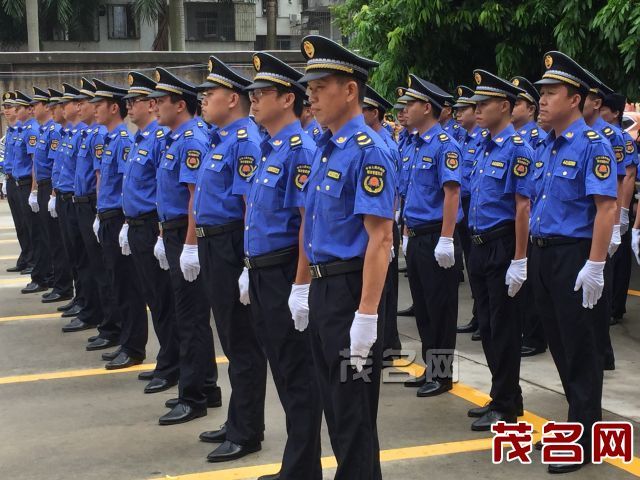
(103, 427)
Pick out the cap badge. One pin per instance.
(156, 76)
(516, 82)
(478, 78)
(256, 63)
(548, 61)
(308, 48)
(130, 79)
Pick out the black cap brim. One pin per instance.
(260, 84)
(315, 75)
(463, 105)
(483, 98)
(129, 96)
(99, 99)
(158, 94)
(409, 98)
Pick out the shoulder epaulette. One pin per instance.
(159, 134)
(456, 126)
(534, 132)
(188, 133)
(242, 134)
(363, 140)
(124, 133)
(316, 131)
(608, 131)
(517, 140)
(295, 141)
(592, 135)
(485, 133)
(443, 137)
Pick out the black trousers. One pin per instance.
(78, 259)
(607, 300)
(391, 339)
(26, 251)
(291, 366)
(349, 398)
(621, 276)
(198, 368)
(61, 281)
(101, 298)
(499, 320)
(575, 333)
(41, 266)
(532, 329)
(464, 234)
(220, 267)
(125, 283)
(155, 284)
(435, 300)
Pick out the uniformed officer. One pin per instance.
(274, 208)
(374, 108)
(309, 122)
(219, 211)
(431, 211)
(572, 221)
(61, 281)
(349, 210)
(185, 147)
(448, 123)
(22, 173)
(139, 235)
(498, 219)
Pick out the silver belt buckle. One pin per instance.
(247, 263)
(199, 232)
(315, 272)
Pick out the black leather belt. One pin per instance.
(64, 196)
(21, 182)
(501, 231)
(107, 214)
(336, 268)
(543, 242)
(45, 182)
(179, 222)
(209, 231)
(271, 259)
(85, 199)
(142, 219)
(425, 229)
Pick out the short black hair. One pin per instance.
(192, 103)
(298, 102)
(380, 111)
(122, 106)
(571, 91)
(361, 85)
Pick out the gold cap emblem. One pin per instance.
(399, 91)
(478, 78)
(548, 61)
(409, 81)
(459, 91)
(210, 65)
(516, 82)
(308, 48)
(256, 63)
(130, 79)
(7, 96)
(156, 76)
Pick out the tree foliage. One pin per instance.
(444, 40)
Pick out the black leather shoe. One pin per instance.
(15, 269)
(26, 271)
(100, 344)
(526, 351)
(182, 413)
(33, 287)
(232, 451)
(433, 388)
(483, 424)
(214, 398)
(213, 436)
(470, 327)
(67, 306)
(478, 412)
(407, 312)
(108, 356)
(416, 382)
(159, 385)
(123, 360)
(146, 376)
(56, 297)
(560, 468)
(72, 312)
(609, 366)
(274, 476)
(76, 325)
(92, 338)
(211, 403)
(475, 337)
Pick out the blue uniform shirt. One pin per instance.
(614, 135)
(352, 175)
(630, 151)
(436, 161)
(184, 150)
(139, 179)
(42, 162)
(502, 169)
(226, 173)
(68, 157)
(314, 130)
(273, 215)
(9, 147)
(568, 170)
(532, 134)
(469, 145)
(91, 148)
(454, 130)
(117, 144)
(24, 148)
(55, 152)
(391, 144)
(406, 162)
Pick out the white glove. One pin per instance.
(444, 252)
(123, 239)
(635, 243)
(591, 280)
(189, 262)
(624, 220)
(363, 334)
(51, 206)
(96, 228)
(4, 186)
(299, 306)
(243, 283)
(405, 244)
(516, 276)
(158, 252)
(397, 216)
(33, 202)
(615, 240)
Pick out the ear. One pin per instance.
(289, 99)
(352, 91)
(234, 99)
(575, 101)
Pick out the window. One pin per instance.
(282, 42)
(122, 22)
(209, 22)
(86, 29)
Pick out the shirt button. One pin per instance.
(324, 159)
(256, 180)
(327, 187)
(544, 196)
(493, 171)
(486, 153)
(548, 174)
(266, 180)
(264, 158)
(318, 187)
(564, 173)
(553, 151)
(247, 227)
(309, 245)
(538, 219)
(481, 171)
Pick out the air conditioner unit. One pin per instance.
(293, 18)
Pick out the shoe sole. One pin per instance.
(63, 299)
(188, 419)
(233, 457)
(162, 389)
(520, 413)
(121, 367)
(93, 349)
(433, 394)
(77, 330)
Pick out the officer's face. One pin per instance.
(267, 105)
(87, 111)
(168, 111)
(104, 112)
(71, 111)
(591, 106)
(306, 116)
(556, 104)
(40, 110)
(416, 113)
(331, 97)
(140, 109)
(402, 117)
(521, 112)
(490, 113)
(216, 103)
(22, 113)
(58, 113)
(370, 116)
(9, 113)
(467, 117)
(609, 115)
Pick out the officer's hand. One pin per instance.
(405, 244)
(51, 206)
(123, 239)
(591, 280)
(516, 276)
(33, 202)
(96, 228)
(397, 215)
(243, 284)
(444, 252)
(189, 262)
(158, 252)
(615, 240)
(4, 186)
(299, 306)
(363, 334)
(624, 220)
(635, 243)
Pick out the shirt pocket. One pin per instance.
(494, 177)
(270, 194)
(426, 174)
(332, 195)
(215, 177)
(168, 162)
(566, 183)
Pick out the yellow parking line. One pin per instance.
(30, 317)
(9, 240)
(21, 280)
(635, 293)
(82, 373)
(8, 257)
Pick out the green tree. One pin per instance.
(444, 40)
